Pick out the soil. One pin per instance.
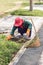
(36, 43)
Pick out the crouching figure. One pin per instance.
(23, 26)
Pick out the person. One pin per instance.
(23, 26)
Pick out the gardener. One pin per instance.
(23, 26)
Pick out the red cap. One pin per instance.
(18, 22)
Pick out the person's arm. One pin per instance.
(11, 34)
(13, 30)
(29, 27)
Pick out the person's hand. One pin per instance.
(26, 36)
(9, 37)
(28, 32)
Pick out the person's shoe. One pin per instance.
(9, 37)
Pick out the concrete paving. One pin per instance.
(33, 56)
(35, 7)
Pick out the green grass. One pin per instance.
(25, 3)
(7, 4)
(7, 50)
(38, 3)
(27, 13)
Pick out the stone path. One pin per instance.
(35, 7)
(33, 56)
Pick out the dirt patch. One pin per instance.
(35, 43)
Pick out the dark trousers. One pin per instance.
(22, 31)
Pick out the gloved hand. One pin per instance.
(25, 36)
(28, 32)
(9, 37)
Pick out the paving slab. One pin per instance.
(33, 56)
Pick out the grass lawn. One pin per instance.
(38, 3)
(27, 13)
(27, 3)
(8, 4)
(24, 4)
(7, 50)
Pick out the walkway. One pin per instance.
(35, 7)
(33, 56)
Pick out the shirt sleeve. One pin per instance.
(13, 30)
(28, 24)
